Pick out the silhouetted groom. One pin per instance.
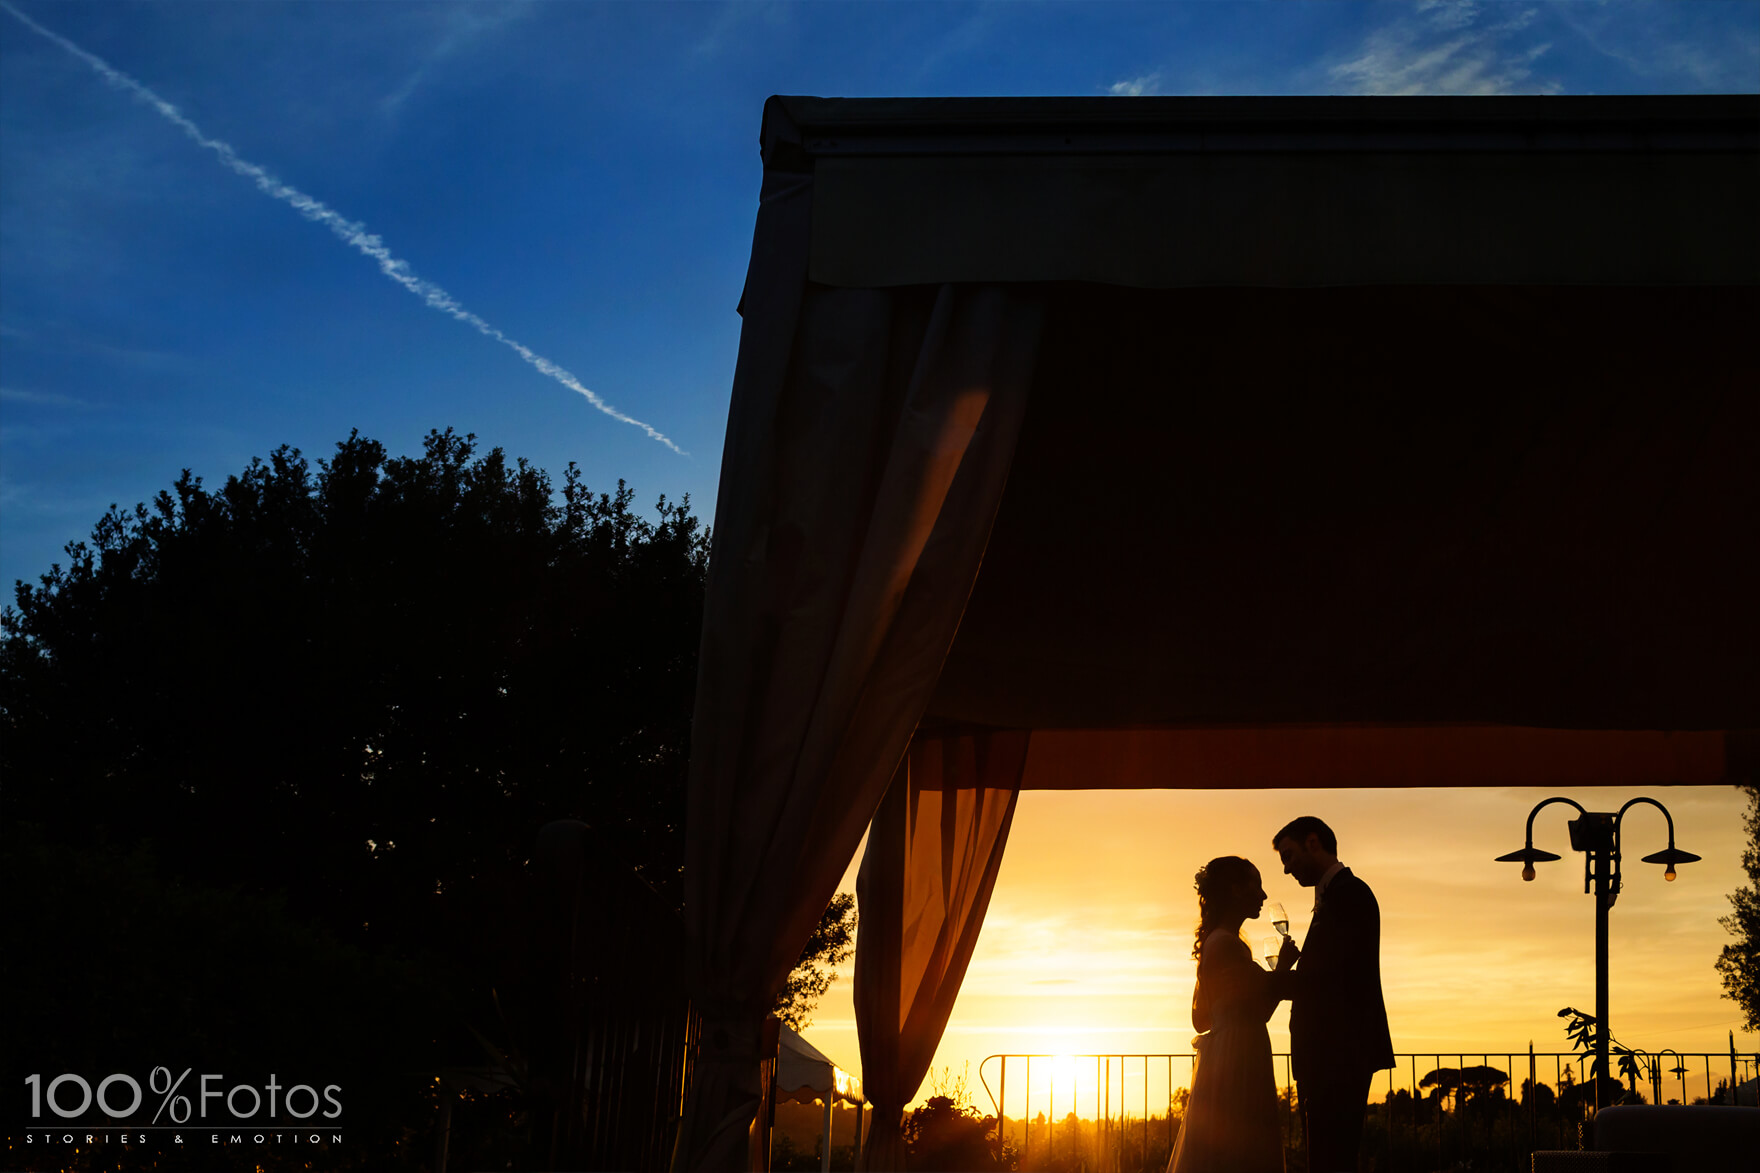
(1338, 1035)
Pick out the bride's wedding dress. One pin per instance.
(1231, 1121)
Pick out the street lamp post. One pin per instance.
(1679, 1071)
(1597, 835)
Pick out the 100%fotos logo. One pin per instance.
(172, 1105)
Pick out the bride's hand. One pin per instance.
(1286, 957)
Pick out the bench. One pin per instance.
(1672, 1138)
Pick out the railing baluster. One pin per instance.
(1107, 1146)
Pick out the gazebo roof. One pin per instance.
(804, 1073)
(1276, 191)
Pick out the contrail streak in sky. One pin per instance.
(349, 231)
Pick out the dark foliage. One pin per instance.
(1739, 964)
(145, 971)
(831, 944)
(1632, 1065)
(1539, 1094)
(365, 686)
(942, 1135)
(789, 1156)
(339, 702)
(1473, 1080)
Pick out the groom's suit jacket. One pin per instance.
(1337, 1018)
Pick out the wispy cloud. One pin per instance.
(1655, 44)
(39, 398)
(959, 43)
(725, 31)
(51, 336)
(1447, 47)
(42, 503)
(1449, 14)
(1149, 83)
(350, 232)
(460, 27)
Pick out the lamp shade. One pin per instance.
(1530, 855)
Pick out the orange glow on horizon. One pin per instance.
(1086, 947)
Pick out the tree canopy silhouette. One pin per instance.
(365, 685)
(1739, 963)
(832, 943)
(314, 720)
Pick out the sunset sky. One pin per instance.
(585, 177)
(1087, 947)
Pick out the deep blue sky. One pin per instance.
(583, 176)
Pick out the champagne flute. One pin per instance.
(1279, 918)
(1271, 947)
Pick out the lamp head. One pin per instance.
(1527, 857)
(1669, 857)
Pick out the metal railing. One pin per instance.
(1122, 1112)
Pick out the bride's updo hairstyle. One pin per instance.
(1218, 883)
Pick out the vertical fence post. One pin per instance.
(1099, 1129)
(1103, 1086)
(825, 1156)
(1001, 1105)
(1289, 1105)
(1533, 1102)
(1439, 1117)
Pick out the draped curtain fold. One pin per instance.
(933, 852)
(869, 439)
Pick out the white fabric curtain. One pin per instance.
(868, 444)
(933, 853)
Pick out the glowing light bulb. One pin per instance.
(1527, 871)
(1669, 874)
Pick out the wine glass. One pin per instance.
(1279, 918)
(1271, 947)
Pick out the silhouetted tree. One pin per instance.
(1739, 963)
(346, 697)
(1540, 1093)
(364, 686)
(832, 942)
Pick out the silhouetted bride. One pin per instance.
(1231, 1118)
